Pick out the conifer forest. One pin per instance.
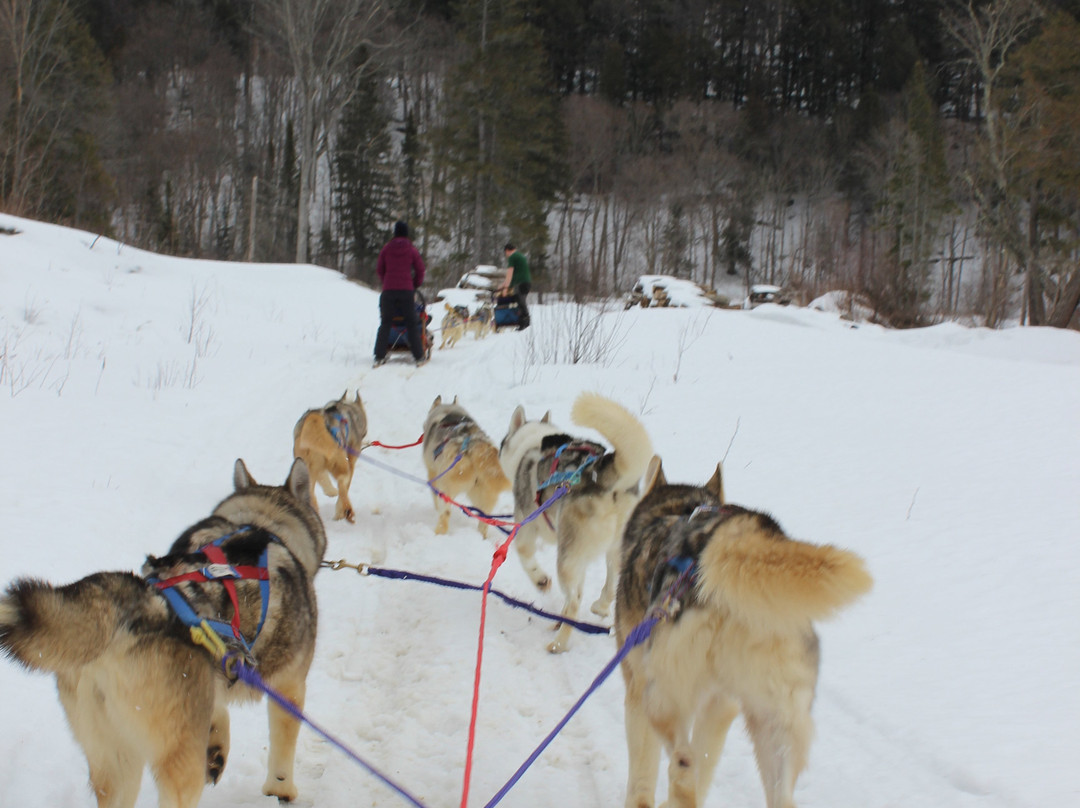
(921, 155)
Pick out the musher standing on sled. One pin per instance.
(401, 271)
(520, 279)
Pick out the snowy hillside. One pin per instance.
(949, 458)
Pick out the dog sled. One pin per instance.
(399, 333)
(506, 311)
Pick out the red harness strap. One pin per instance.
(216, 556)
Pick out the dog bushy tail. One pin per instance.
(760, 577)
(625, 433)
(59, 629)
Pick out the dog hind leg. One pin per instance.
(781, 748)
(342, 472)
(217, 749)
(682, 776)
(642, 743)
(180, 775)
(442, 511)
(326, 482)
(571, 566)
(115, 777)
(116, 764)
(484, 496)
(602, 606)
(525, 544)
(710, 733)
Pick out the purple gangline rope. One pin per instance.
(250, 677)
(401, 575)
(639, 634)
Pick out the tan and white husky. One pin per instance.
(738, 600)
(461, 460)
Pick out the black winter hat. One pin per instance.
(401, 230)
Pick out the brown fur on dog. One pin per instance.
(740, 639)
(331, 460)
(136, 689)
(450, 431)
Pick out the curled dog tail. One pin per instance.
(626, 434)
(59, 629)
(751, 571)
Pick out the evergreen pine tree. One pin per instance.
(503, 141)
(365, 195)
(915, 199)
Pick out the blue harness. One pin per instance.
(220, 570)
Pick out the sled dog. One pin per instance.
(482, 321)
(453, 326)
(539, 459)
(329, 440)
(461, 459)
(136, 688)
(737, 600)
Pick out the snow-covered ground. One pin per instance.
(948, 457)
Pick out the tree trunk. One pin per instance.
(252, 206)
(307, 173)
(1066, 307)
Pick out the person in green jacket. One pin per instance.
(519, 279)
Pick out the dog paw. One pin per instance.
(557, 647)
(215, 763)
(284, 790)
(601, 609)
(544, 584)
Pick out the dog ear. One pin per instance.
(455, 399)
(436, 402)
(517, 419)
(241, 476)
(344, 395)
(358, 401)
(547, 418)
(716, 484)
(298, 483)
(654, 475)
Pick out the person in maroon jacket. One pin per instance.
(401, 271)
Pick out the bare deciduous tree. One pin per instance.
(328, 44)
(39, 101)
(987, 33)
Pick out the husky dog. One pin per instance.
(737, 600)
(482, 321)
(453, 326)
(136, 689)
(460, 459)
(329, 440)
(601, 491)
